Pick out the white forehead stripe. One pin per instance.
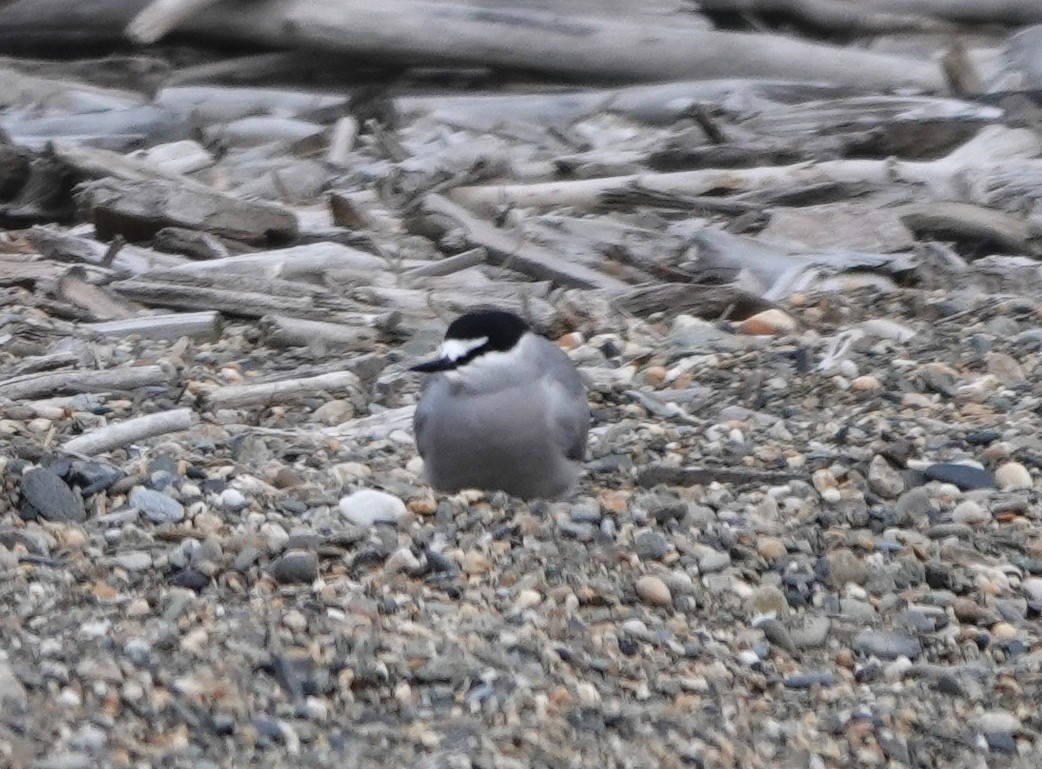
(454, 349)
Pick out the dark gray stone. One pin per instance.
(45, 495)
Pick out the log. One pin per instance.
(448, 266)
(246, 304)
(172, 326)
(132, 430)
(65, 247)
(271, 393)
(298, 332)
(138, 210)
(984, 154)
(294, 263)
(411, 31)
(964, 221)
(578, 47)
(508, 250)
(96, 300)
(80, 381)
(834, 15)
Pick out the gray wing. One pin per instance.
(569, 409)
(431, 390)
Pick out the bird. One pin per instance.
(503, 408)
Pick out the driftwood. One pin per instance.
(65, 247)
(80, 381)
(589, 46)
(196, 325)
(945, 177)
(450, 33)
(964, 221)
(270, 393)
(292, 263)
(507, 249)
(298, 332)
(137, 210)
(113, 436)
(247, 304)
(96, 300)
(834, 14)
(449, 265)
(710, 302)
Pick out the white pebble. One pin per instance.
(1012, 476)
(368, 507)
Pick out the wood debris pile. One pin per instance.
(356, 168)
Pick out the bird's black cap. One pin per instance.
(500, 329)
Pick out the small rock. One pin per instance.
(334, 412)
(970, 513)
(13, 698)
(1005, 368)
(1032, 587)
(865, 383)
(913, 505)
(998, 722)
(883, 479)
(650, 545)
(767, 323)
(653, 590)
(886, 645)
(965, 477)
(771, 549)
(233, 500)
(845, 567)
(475, 562)
(295, 566)
(812, 632)
(133, 561)
(369, 507)
(47, 496)
(157, 507)
(1012, 476)
(768, 599)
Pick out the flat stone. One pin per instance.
(964, 477)
(886, 645)
(157, 507)
(844, 567)
(45, 495)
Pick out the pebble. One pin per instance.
(13, 697)
(295, 566)
(233, 500)
(650, 544)
(475, 562)
(965, 477)
(334, 412)
(133, 561)
(865, 383)
(970, 513)
(884, 479)
(771, 549)
(767, 323)
(1013, 476)
(369, 507)
(47, 496)
(157, 507)
(914, 505)
(653, 590)
(769, 600)
(1032, 587)
(886, 645)
(845, 567)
